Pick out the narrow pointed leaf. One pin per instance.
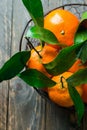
(78, 78)
(84, 16)
(36, 79)
(81, 34)
(63, 61)
(83, 53)
(14, 65)
(35, 10)
(42, 34)
(78, 103)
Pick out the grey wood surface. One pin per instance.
(21, 108)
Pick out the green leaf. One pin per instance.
(81, 34)
(84, 16)
(83, 53)
(79, 105)
(35, 10)
(78, 78)
(63, 61)
(14, 65)
(36, 79)
(42, 34)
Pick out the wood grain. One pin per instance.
(5, 42)
(21, 108)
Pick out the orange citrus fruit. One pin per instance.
(63, 24)
(76, 66)
(55, 46)
(47, 53)
(59, 93)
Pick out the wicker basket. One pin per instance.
(77, 9)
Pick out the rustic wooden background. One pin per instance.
(21, 108)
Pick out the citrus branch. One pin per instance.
(61, 80)
(32, 47)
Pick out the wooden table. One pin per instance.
(21, 108)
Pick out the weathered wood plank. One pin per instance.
(5, 42)
(25, 109)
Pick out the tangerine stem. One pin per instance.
(61, 80)
(31, 46)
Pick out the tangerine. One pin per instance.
(59, 93)
(76, 66)
(63, 24)
(47, 53)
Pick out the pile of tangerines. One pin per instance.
(57, 22)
